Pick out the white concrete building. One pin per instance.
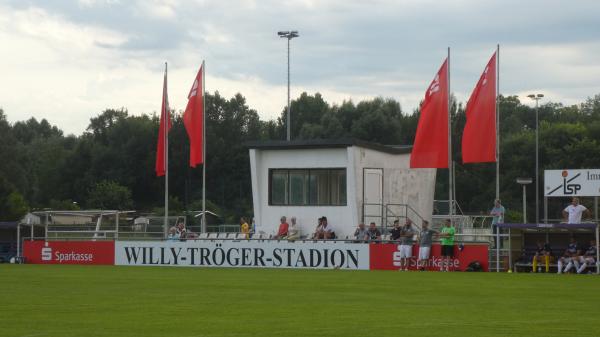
(348, 181)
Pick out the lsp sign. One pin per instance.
(570, 183)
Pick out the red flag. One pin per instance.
(193, 119)
(163, 130)
(430, 149)
(479, 135)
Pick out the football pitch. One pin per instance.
(37, 300)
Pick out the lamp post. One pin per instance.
(536, 98)
(288, 35)
(524, 182)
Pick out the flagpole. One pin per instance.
(204, 227)
(497, 122)
(450, 180)
(166, 154)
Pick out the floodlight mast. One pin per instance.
(288, 35)
(536, 98)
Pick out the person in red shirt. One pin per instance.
(283, 229)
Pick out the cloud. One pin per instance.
(69, 61)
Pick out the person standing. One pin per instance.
(425, 240)
(447, 239)
(497, 212)
(406, 242)
(572, 213)
(373, 234)
(396, 231)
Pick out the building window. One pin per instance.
(304, 187)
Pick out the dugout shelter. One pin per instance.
(521, 236)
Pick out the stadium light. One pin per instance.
(288, 35)
(524, 182)
(536, 98)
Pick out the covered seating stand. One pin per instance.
(542, 226)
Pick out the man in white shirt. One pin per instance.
(572, 214)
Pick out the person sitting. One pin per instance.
(294, 231)
(244, 227)
(542, 254)
(373, 233)
(361, 233)
(173, 235)
(588, 258)
(181, 231)
(284, 227)
(570, 257)
(396, 231)
(324, 230)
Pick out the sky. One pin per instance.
(67, 61)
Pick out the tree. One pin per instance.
(109, 195)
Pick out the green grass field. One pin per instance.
(65, 301)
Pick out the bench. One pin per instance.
(527, 267)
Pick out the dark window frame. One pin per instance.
(308, 192)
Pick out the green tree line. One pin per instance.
(111, 164)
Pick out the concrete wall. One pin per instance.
(401, 185)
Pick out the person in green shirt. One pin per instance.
(447, 240)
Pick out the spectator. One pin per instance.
(497, 212)
(244, 227)
(588, 258)
(324, 230)
(318, 234)
(294, 231)
(570, 257)
(181, 231)
(282, 232)
(425, 240)
(361, 233)
(173, 235)
(396, 231)
(447, 238)
(572, 213)
(542, 254)
(373, 234)
(406, 242)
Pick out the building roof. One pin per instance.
(327, 144)
(8, 224)
(589, 225)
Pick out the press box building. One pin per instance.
(348, 181)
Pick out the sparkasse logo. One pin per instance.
(46, 253)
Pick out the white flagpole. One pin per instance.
(204, 227)
(165, 117)
(450, 180)
(497, 122)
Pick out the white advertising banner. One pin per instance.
(247, 254)
(571, 183)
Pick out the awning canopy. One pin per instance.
(8, 224)
(588, 225)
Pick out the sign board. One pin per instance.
(387, 256)
(571, 183)
(69, 252)
(246, 254)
